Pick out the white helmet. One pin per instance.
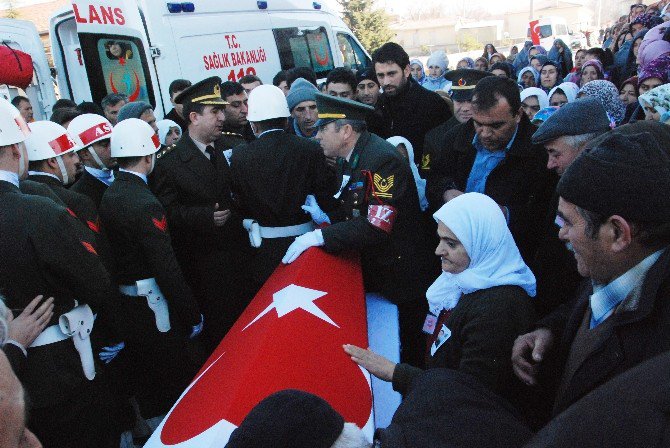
(133, 137)
(267, 102)
(13, 128)
(47, 140)
(87, 129)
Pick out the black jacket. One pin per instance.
(88, 185)
(398, 265)
(484, 325)
(641, 331)
(189, 185)
(271, 177)
(141, 246)
(39, 189)
(411, 113)
(174, 116)
(434, 145)
(48, 252)
(521, 182)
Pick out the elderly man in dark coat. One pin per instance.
(619, 232)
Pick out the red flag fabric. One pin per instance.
(535, 32)
(290, 336)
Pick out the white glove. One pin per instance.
(312, 207)
(301, 244)
(197, 329)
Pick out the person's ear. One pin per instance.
(52, 163)
(407, 71)
(620, 233)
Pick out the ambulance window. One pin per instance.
(305, 48)
(353, 55)
(116, 64)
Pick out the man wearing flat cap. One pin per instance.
(615, 213)
(463, 82)
(564, 138)
(367, 87)
(378, 214)
(192, 181)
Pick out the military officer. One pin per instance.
(155, 297)
(46, 252)
(91, 132)
(378, 214)
(192, 181)
(271, 179)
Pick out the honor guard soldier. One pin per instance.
(155, 300)
(53, 161)
(272, 177)
(46, 252)
(192, 181)
(91, 133)
(379, 214)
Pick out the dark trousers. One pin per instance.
(90, 418)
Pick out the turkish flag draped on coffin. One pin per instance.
(290, 336)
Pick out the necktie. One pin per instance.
(212, 154)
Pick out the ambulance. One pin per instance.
(138, 47)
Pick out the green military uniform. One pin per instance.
(38, 189)
(188, 184)
(396, 264)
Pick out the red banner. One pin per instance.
(290, 336)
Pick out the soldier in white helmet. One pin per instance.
(47, 252)
(155, 299)
(91, 132)
(272, 177)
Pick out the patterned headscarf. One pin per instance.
(658, 98)
(595, 64)
(535, 73)
(647, 20)
(650, 50)
(469, 61)
(658, 68)
(608, 95)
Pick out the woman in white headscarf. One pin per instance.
(168, 132)
(407, 150)
(479, 304)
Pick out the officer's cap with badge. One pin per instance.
(463, 82)
(206, 92)
(332, 108)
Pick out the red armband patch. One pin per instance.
(382, 216)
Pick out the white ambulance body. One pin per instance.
(138, 47)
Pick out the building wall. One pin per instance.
(435, 38)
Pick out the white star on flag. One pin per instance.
(293, 297)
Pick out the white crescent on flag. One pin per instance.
(289, 337)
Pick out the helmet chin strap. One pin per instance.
(23, 164)
(95, 156)
(153, 163)
(63, 171)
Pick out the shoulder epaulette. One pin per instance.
(234, 134)
(165, 151)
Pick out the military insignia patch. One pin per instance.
(383, 185)
(160, 224)
(94, 226)
(89, 247)
(425, 162)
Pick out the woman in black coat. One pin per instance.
(479, 305)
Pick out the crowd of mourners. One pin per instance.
(514, 208)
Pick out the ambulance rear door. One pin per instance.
(104, 49)
(22, 35)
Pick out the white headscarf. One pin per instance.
(542, 98)
(420, 183)
(569, 89)
(480, 226)
(164, 127)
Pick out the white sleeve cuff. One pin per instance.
(18, 344)
(319, 237)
